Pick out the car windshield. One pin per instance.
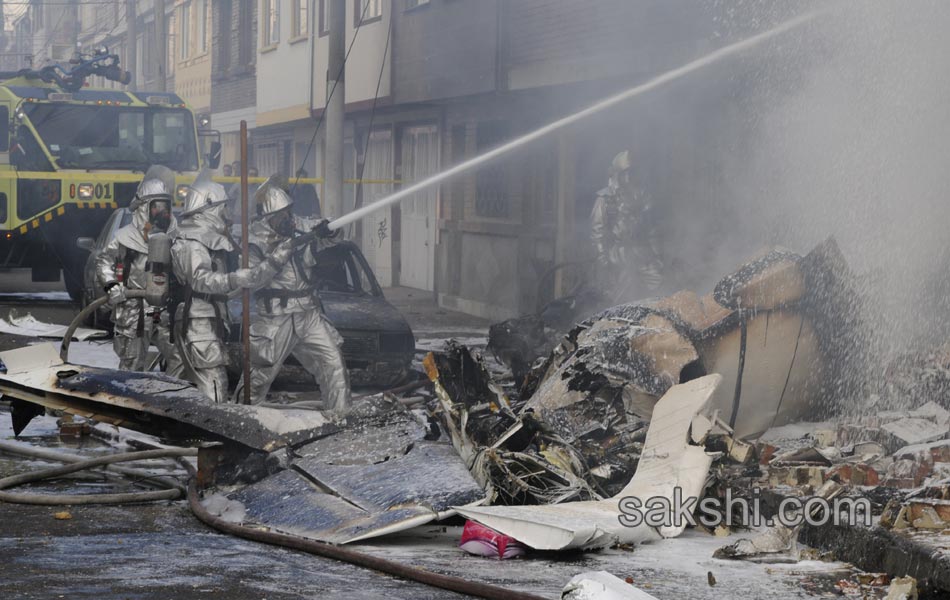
(338, 269)
(115, 137)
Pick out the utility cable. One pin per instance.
(358, 197)
(336, 81)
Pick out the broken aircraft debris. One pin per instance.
(673, 458)
(352, 489)
(632, 402)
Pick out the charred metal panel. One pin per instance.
(151, 402)
(378, 475)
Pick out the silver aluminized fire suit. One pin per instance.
(624, 235)
(199, 262)
(122, 261)
(290, 320)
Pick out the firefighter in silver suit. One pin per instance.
(121, 266)
(199, 263)
(290, 317)
(625, 237)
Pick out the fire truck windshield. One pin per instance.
(115, 137)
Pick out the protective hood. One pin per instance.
(209, 227)
(158, 181)
(622, 162)
(133, 235)
(272, 196)
(203, 194)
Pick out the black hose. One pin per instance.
(360, 559)
(90, 308)
(76, 499)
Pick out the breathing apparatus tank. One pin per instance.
(158, 268)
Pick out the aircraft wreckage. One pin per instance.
(635, 401)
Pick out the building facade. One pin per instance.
(284, 125)
(430, 84)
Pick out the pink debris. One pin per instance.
(485, 541)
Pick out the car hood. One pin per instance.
(372, 313)
(348, 312)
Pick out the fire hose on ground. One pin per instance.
(360, 559)
(173, 492)
(84, 314)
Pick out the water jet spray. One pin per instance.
(656, 82)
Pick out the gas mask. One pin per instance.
(625, 180)
(160, 214)
(283, 224)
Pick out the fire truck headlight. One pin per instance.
(181, 192)
(85, 191)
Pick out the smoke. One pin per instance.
(858, 149)
(839, 129)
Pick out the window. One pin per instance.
(267, 158)
(28, 154)
(367, 11)
(148, 65)
(201, 26)
(300, 25)
(222, 21)
(491, 199)
(171, 23)
(184, 31)
(4, 129)
(141, 59)
(323, 26)
(193, 34)
(245, 37)
(106, 137)
(415, 3)
(270, 23)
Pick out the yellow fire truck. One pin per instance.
(70, 155)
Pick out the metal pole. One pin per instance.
(131, 42)
(245, 261)
(159, 46)
(336, 81)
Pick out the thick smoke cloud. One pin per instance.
(851, 138)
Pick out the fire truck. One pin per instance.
(71, 154)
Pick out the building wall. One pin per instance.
(55, 28)
(550, 42)
(505, 210)
(364, 62)
(444, 49)
(284, 126)
(106, 24)
(282, 91)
